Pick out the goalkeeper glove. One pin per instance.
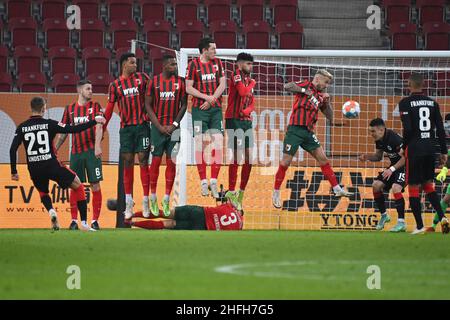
(442, 175)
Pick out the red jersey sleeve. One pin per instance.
(149, 90)
(302, 83)
(112, 96)
(98, 109)
(221, 69)
(65, 118)
(190, 74)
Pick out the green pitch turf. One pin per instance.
(141, 264)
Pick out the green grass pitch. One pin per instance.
(141, 264)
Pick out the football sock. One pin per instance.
(379, 200)
(279, 176)
(232, 176)
(434, 199)
(80, 196)
(46, 201)
(216, 163)
(128, 197)
(73, 205)
(153, 196)
(201, 165)
(328, 173)
(154, 173)
(414, 203)
(145, 179)
(128, 173)
(149, 224)
(166, 197)
(400, 205)
(96, 204)
(245, 175)
(170, 175)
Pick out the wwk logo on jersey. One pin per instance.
(208, 77)
(314, 100)
(78, 120)
(167, 95)
(131, 91)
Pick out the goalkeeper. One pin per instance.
(441, 177)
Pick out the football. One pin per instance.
(351, 109)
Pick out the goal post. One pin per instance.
(376, 79)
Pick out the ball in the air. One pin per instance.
(351, 109)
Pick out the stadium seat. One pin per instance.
(56, 33)
(18, 9)
(62, 60)
(156, 55)
(139, 57)
(190, 33)
(436, 35)
(397, 10)
(123, 32)
(90, 9)
(153, 9)
(257, 34)
(431, 10)
(224, 33)
(284, 10)
(28, 59)
(251, 10)
(54, 9)
(218, 10)
(5, 82)
(120, 9)
(290, 35)
(23, 31)
(31, 82)
(100, 82)
(96, 60)
(91, 33)
(3, 58)
(65, 83)
(158, 32)
(403, 36)
(185, 10)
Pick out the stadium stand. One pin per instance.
(23, 31)
(153, 9)
(284, 10)
(257, 34)
(403, 36)
(56, 33)
(185, 10)
(28, 59)
(290, 35)
(52, 9)
(436, 35)
(120, 10)
(430, 10)
(31, 82)
(96, 60)
(100, 82)
(251, 10)
(218, 10)
(397, 10)
(18, 9)
(158, 32)
(65, 83)
(91, 33)
(3, 58)
(122, 32)
(189, 33)
(62, 60)
(90, 8)
(5, 82)
(224, 32)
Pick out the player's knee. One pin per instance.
(169, 224)
(377, 186)
(75, 183)
(396, 188)
(95, 186)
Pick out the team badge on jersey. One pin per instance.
(237, 78)
(177, 86)
(216, 67)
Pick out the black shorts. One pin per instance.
(398, 177)
(420, 169)
(190, 218)
(41, 176)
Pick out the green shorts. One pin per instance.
(135, 139)
(241, 131)
(87, 162)
(299, 136)
(204, 120)
(162, 143)
(190, 218)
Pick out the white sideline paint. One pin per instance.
(257, 270)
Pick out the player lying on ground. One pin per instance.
(86, 152)
(206, 82)
(129, 93)
(166, 104)
(392, 178)
(238, 123)
(442, 176)
(310, 97)
(222, 217)
(38, 134)
(421, 118)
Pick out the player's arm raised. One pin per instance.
(294, 87)
(59, 127)
(13, 154)
(374, 157)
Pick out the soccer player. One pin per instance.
(441, 177)
(37, 134)
(238, 124)
(223, 217)
(129, 92)
(86, 151)
(421, 117)
(166, 104)
(392, 178)
(205, 81)
(310, 97)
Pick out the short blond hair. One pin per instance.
(325, 73)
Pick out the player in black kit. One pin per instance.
(422, 120)
(37, 134)
(392, 178)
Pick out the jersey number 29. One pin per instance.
(42, 139)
